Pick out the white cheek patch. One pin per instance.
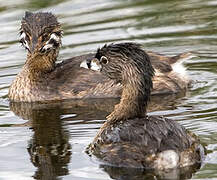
(22, 37)
(47, 46)
(26, 44)
(95, 66)
(55, 37)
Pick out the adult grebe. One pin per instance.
(130, 138)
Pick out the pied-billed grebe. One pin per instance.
(42, 79)
(130, 138)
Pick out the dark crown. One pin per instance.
(39, 22)
(128, 52)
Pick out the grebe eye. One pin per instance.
(104, 60)
(44, 37)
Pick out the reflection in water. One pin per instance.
(141, 174)
(85, 109)
(164, 26)
(122, 173)
(42, 4)
(49, 147)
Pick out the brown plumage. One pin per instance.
(42, 79)
(130, 138)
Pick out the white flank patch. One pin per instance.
(168, 159)
(179, 68)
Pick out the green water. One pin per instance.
(48, 141)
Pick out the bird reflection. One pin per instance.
(142, 174)
(49, 147)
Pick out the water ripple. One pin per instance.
(167, 27)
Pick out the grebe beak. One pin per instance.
(93, 64)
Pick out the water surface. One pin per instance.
(41, 141)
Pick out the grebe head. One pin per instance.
(40, 33)
(123, 61)
(128, 64)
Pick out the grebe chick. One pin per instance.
(42, 79)
(130, 138)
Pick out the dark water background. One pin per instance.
(48, 141)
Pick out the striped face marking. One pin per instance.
(54, 37)
(23, 40)
(53, 43)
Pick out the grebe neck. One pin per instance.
(40, 64)
(135, 95)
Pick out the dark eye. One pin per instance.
(58, 33)
(44, 37)
(104, 60)
(21, 41)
